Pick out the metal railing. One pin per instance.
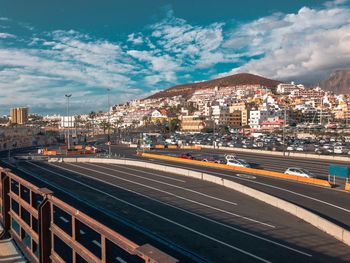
(49, 230)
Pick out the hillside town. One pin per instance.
(251, 108)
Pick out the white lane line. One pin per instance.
(156, 215)
(154, 174)
(194, 214)
(271, 186)
(166, 192)
(167, 184)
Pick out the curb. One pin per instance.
(319, 222)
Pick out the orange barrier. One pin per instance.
(159, 146)
(172, 146)
(192, 147)
(347, 186)
(50, 153)
(78, 147)
(242, 169)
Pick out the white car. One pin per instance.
(299, 172)
(237, 162)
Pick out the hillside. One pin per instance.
(238, 79)
(338, 82)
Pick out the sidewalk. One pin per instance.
(9, 252)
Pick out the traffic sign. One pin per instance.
(338, 170)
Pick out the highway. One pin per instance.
(332, 204)
(218, 224)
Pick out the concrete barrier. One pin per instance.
(347, 186)
(323, 224)
(295, 178)
(275, 153)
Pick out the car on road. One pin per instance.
(188, 156)
(299, 172)
(211, 159)
(237, 163)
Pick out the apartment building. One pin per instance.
(19, 115)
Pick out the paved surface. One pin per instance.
(332, 204)
(209, 220)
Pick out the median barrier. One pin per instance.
(159, 146)
(347, 186)
(191, 147)
(313, 181)
(277, 153)
(323, 224)
(172, 147)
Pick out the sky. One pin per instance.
(135, 48)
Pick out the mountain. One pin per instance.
(238, 79)
(338, 82)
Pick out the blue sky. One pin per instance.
(136, 47)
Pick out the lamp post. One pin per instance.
(109, 123)
(283, 131)
(68, 139)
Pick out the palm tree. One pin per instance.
(104, 126)
(92, 116)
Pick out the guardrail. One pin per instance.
(314, 181)
(49, 230)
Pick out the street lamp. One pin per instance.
(109, 123)
(283, 131)
(68, 139)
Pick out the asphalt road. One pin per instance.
(332, 204)
(202, 218)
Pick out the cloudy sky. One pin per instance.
(136, 47)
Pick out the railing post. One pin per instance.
(45, 239)
(5, 182)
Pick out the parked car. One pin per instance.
(238, 163)
(299, 172)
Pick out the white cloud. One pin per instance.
(135, 39)
(306, 46)
(6, 35)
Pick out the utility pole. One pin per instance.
(109, 123)
(214, 133)
(283, 131)
(68, 120)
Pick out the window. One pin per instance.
(15, 206)
(63, 250)
(15, 226)
(26, 238)
(36, 200)
(62, 219)
(25, 216)
(35, 248)
(25, 194)
(14, 187)
(35, 224)
(89, 238)
(79, 259)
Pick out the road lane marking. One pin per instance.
(248, 176)
(189, 212)
(158, 175)
(165, 192)
(158, 216)
(271, 186)
(171, 185)
(148, 233)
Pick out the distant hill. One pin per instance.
(187, 90)
(338, 82)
